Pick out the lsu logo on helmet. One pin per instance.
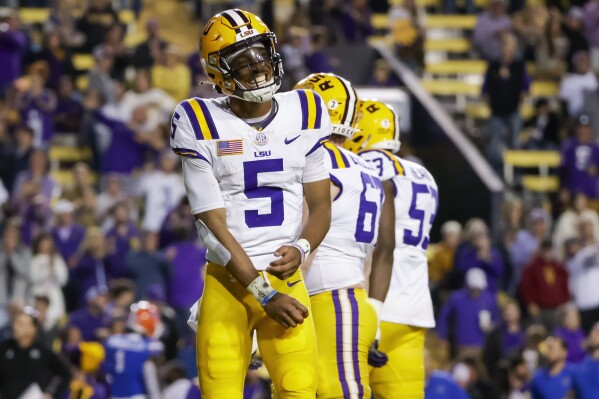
(236, 33)
(378, 128)
(340, 98)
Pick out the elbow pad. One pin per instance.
(217, 253)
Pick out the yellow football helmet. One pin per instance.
(340, 98)
(378, 127)
(240, 37)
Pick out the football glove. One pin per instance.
(376, 358)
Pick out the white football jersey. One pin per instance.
(416, 200)
(339, 260)
(260, 172)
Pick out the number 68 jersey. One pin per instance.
(416, 201)
(260, 173)
(339, 260)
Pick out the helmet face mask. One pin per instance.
(240, 57)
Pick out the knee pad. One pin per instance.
(297, 380)
(223, 356)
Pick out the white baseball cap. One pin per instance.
(476, 279)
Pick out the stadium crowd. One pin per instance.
(516, 308)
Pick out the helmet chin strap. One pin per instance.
(260, 95)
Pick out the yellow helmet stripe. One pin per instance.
(338, 160)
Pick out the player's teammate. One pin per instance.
(407, 311)
(345, 321)
(131, 372)
(249, 158)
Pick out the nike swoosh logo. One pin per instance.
(289, 141)
(289, 284)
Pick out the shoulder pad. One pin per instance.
(200, 119)
(311, 106)
(338, 159)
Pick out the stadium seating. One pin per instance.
(543, 160)
(456, 45)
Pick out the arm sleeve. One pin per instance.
(202, 187)
(151, 380)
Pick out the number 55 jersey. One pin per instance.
(259, 170)
(416, 199)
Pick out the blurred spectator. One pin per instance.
(68, 236)
(355, 21)
(555, 379)
(316, 60)
(573, 85)
(444, 253)
(107, 199)
(569, 330)
(530, 25)
(176, 385)
(15, 260)
(146, 267)
(100, 79)
(34, 182)
(162, 190)
(90, 319)
(17, 158)
(382, 75)
(468, 315)
(408, 34)
(478, 253)
(512, 219)
(535, 338)
(178, 219)
(13, 44)
(506, 84)
(114, 44)
(148, 53)
(544, 285)
(491, 26)
(586, 384)
(62, 20)
(48, 274)
(172, 75)
(567, 225)
(50, 328)
(440, 384)
(69, 111)
(580, 161)
(90, 269)
(160, 105)
(526, 243)
(293, 53)
(590, 104)
(543, 128)
(505, 340)
(36, 105)
(518, 377)
(591, 27)
(469, 374)
(187, 279)
(573, 29)
(96, 21)
(123, 237)
(449, 6)
(83, 195)
(57, 59)
(584, 280)
(26, 365)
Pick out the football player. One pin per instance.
(131, 371)
(249, 159)
(346, 323)
(407, 311)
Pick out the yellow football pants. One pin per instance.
(403, 376)
(345, 325)
(228, 315)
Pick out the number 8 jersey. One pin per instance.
(339, 260)
(416, 200)
(260, 172)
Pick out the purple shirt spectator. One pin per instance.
(575, 340)
(89, 272)
(120, 240)
(13, 44)
(44, 190)
(88, 323)
(512, 340)
(579, 160)
(124, 153)
(68, 114)
(467, 258)
(187, 277)
(591, 22)
(68, 239)
(487, 33)
(37, 112)
(462, 311)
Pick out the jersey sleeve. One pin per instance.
(387, 165)
(316, 167)
(189, 137)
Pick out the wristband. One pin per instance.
(377, 305)
(261, 290)
(303, 246)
